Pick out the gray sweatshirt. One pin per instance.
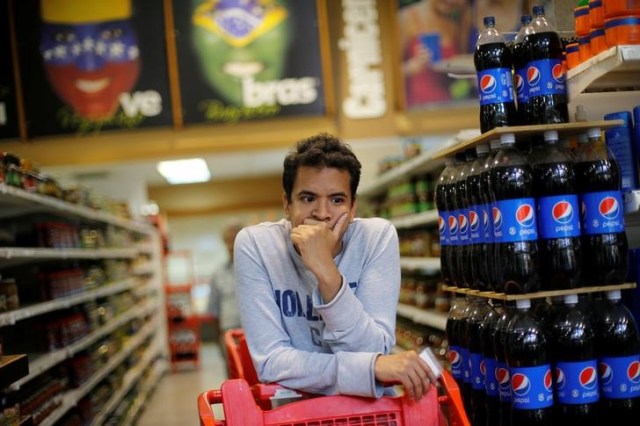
(296, 340)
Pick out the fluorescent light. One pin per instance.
(192, 170)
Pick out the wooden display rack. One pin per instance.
(537, 294)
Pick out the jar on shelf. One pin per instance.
(9, 292)
(12, 172)
(30, 175)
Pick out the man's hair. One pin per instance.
(320, 151)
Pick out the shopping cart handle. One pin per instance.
(205, 400)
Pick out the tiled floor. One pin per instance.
(174, 401)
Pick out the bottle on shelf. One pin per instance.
(477, 215)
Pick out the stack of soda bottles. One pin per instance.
(574, 361)
(536, 60)
(515, 223)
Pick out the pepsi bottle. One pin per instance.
(529, 364)
(465, 390)
(520, 67)
(514, 221)
(618, 346)
(492, 395)
(464, 242)
(443, 219)
(489, 248)
(556, 189)
(493, 63)
(477, 215)
(604, 241)
(547, 97)
(475, 325)
(452, 333)
(450, 190)
(576, 366)
(502, 369)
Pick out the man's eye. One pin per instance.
(306, 199)
(338, 200)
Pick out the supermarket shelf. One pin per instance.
(43, 362)
(71, 398)
(617, 68)
(11, 256)
(159, 369)
(423, 162)
(131, 378)
(13, 368)
(425, 218)
(427, 265)
(563, 129)
(20, 201)
(10, 318)
(538, 294)
(431, 318)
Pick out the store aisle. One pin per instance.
(174, 400)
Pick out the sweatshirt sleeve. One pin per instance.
(275, 358)
(364, 319)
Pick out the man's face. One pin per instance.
(234, 41)
(320, 194)
(90, 65)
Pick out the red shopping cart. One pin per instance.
(239, 362)
(244, 405)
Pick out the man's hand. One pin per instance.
(317, 244)
(408, 369)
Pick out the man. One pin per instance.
(318, 290)
(222, 299)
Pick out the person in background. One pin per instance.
(222, 299)
(318, 290)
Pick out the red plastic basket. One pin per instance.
(239, 362)
(240, 408)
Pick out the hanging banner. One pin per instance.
(248, 59)
(8, 106)
(89, 66)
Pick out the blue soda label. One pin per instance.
(546, 77)
(477, 378)
(487, 223)
(531, 387)
(455, 359)
(443, 229)
(454, 239)
(620, 377)
(466, 365)
(476, 227)
(495, 86)
(577, 382)
(558, 216)
(522, 87)
(504, 381)
(515, 220)
(490, 378)
(602, 212)
(463, 227)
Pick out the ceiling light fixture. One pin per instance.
(178, 172)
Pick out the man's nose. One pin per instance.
(321, 211)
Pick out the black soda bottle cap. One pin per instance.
(489, 21)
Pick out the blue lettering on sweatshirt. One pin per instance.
(290, 304)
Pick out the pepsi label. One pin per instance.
(466, 365)
(490, 376)
(602, 213)
(477, 377)
(504, 381)
(453, 228)
(476, 227)
(531, 387)
(620, 377)
(495, 86)
(443, 228)
(522, 89)
(487, 223)
(515, 220)
(463, 227)
(558, 216)
(455, 359)
(577, 382)
(546, 77)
